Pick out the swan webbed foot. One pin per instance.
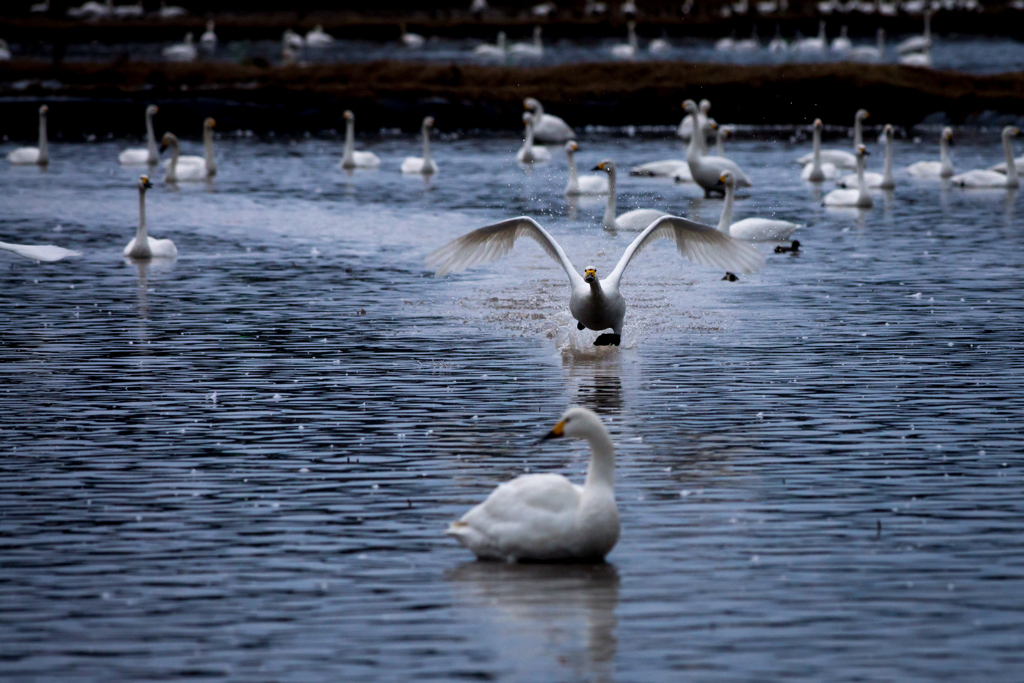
(580, 326)
(730, 277)
(607, 339)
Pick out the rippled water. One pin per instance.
(238, 465)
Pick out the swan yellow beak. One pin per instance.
(721, 178)
(590, 274)
(599, 167)
(556, 432)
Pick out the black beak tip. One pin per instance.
(597, 168)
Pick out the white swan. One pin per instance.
(985, 178)
(497, 49)
(39, 252)
(139, 156)
(921, 43)
(545, 517)
(422, 165)
(637, 219)
(586, 184)
(722, 133)
(943, 168)
(662, 169)
(858, 198)
(842, 42)
(922, 60)
(778, 43)
(817, 170)
(5, 51)
(318, 37)
(727, 43)
(597, 304)
(181, 52)
(351, 158)
(534, 49)
(33, 156)
(171, 11)
(530, 153)
(411, 40)
(883, 180)
(129, 11)
(659, 46)
(209, 38)
(546, 127)
(142, 245)
(190, 168)
(868, 53)
(816, 44)
(751, 229)
(751, 44)
(628, 49)
(707, 171)
(292, 39)
(840, 158)
(685, 129)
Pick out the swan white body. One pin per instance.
(858, 198)
(5, 51)
(33, 156)
(685, 129)
(921, 43)
(1001, 166)
(839, 158)
(141, 156)
(191, 168)
(751, 44)
(659, 46)
(546, 127)
(751, 229)
(208, 40)
(318, 37)
(351, 158)
(919, 59)
(586, 184)
(411, 40)
(530, 153)
(817, 171)
(545, 517)
(881, 181)
(129, 11)
(172, 11)
(661, 169)
(422, 165)
(597, 304)
(943, 168)
(292, 39)
(979, 178)
(532, 49)
(628, 49)
(707, 171)
(181, 52)
(867, 53)
(816, 44)
(142, 245)
(39, 252)
(637, 219)
(726, 44)
(842, 42)
(492, 50)
(778, 43)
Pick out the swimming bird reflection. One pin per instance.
(595, 382)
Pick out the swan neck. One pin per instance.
(858, 135)
(816, 158)
(211, 165)
(862, 185)
(601, 471)
(887, 171)
(154, 155)
(350, 140)
(1011, 166)
(693, 150)
(726, 220)
(609, 209)
(528, 143)
(574, 177)
(44, 152)
(172, 168)
(141, 237)
(718, 145)
(928, 26)
(426, 147)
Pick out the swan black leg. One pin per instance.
(607, 339)
(579, 326)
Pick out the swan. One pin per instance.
(209, 38)
(817, 44)
(40, 7)
(190, 168)
(867, 53)
(33, 156)
(628, 49)
(587, 184)
(637, 219)
(172, 11)
(707, 171)
(722, 133)
(858, 127)
(817, 171)
(534, 49)
(661, 169)
(129, 11)
(778, 43)
(530, 153)
(547, 128)
(685, 129)
(726, 44)
(751, 44)
(840, 158)
(659, 46)
(751, 229)
(842, 43)
(858, 198)
(478, 7)
(5, 51)
(318, 37)
(139, 156)
(351, 158)
(496, 50)
(92, 10)
(181, 52)
(919, 59)
(39, 252)
(943, 168)
(422, 165)
(543, 9)
(411, 40)
(883, 180)
(597, 304)
(545, 517)
(987, 178)
(142, 245)
(591, 8)
(921, 43)
(292, 39)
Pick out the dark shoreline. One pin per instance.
(107, 98)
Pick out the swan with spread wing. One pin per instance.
(597, 304)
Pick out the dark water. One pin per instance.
(221, 468)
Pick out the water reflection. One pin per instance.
(595, 381)
(561, 615)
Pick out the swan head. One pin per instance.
(1010, 132)
(208, 123)
(862, 151)
(608, 166)
(188, 38)
(168, 140)
(705, 106)
(727, 178)
(152, 109)
(725, 132)
(144, 183)
(689, 106)
(862, 114)
(348, 115)
(530, 104)
(428, 123)
(571, 146)
(576, 423)
(818, 125)
(44, 110)
(888, 131)
(590, 274)
(947, 134)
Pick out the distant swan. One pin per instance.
(351, 158)
(318, 37)
(33, 156)
(979, 178)
(867, 53)
(142, 245)
(943, 168)
(816, 44)
(883, 180)
(547, 127)
(817, 171)
(707, 171)
(858, 198)
(190, 168)
(209, 38)
(840, 158)
(751, 229)
(586, 184)
(534, 49)
(139, 156)
(530, 153)
(411, 40)
(685, 129)
(637, 219)
(181, 52)
(492, 50)
(422, 165)
(628, 49)
(921, 43)
(39, 252)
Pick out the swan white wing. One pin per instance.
(829, 171)
(699, 243)
(979, 178)
(871, 179)
(719, 165)
(491, 242)
(365, 159)
(39, 252)
(841, 198)
(552, 129)
(638, 219)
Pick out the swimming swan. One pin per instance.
(208, 40)
(181, 52)
(858, 198)
(817, 44)
(868, 53)
(587, 184)
(547, 128)
(662, 169)
(142, 245)
(318, 37)
(685, 129)
(943, 168)
(637, 219)
(351, 158)
(707, 171)
(190, 168)
(628, 49)
(492, 50)
(838, 157)
(881, 181)
(817, 171)
(751, 229)
(39, 252)
(597, 304)
(545, 517)
(530, 153)
(422, 165)
(986, 178)
(921, 43)
(534, 49)
(140, 156)
(33, 156)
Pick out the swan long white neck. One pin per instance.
(858, 133)
(928, 26)
(574, 176)
(141, 247)
(601, 471)
(211, 163)
(693, 151)
(862, 186)
(154, 156)
(816, 173)
(44, 151)
(426, 146)
(528, 143)
(726, 220)
(536, 38)
(887, 180)
(609, 208)
(947, 163)
(1011, 166)
(172, 168)
(631, 28)
(718, 142)
(350, 142)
